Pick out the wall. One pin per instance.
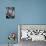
(6, 25)
(27, 12)
(31, 11)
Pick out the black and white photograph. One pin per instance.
(31, 34)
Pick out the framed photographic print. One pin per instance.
(31, 33)
(10, 12)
